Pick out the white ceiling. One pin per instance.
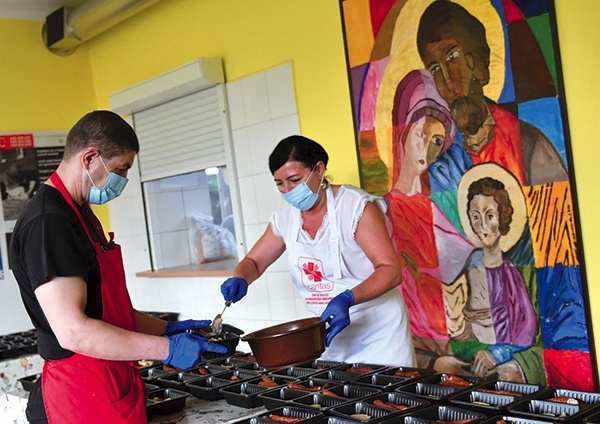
(33, 10)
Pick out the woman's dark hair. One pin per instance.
(299, 149)
(106, 131)
(489, 186)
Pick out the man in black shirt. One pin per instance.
(72, 283)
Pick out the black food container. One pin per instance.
(443, 413)
(227, 339)
(151, 375)
(270, 417)
(363, 412)
(280, 397)
(547, 405)
(165, 401)
(208, 387)
(320, 402)
(493, 397)
(336, 376)
(397, 402)
(436, 388)
(245, 394)
(177, 380)
(28, 381)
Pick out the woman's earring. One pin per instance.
(323, 184)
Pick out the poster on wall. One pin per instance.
(461, 126)
(26, 161)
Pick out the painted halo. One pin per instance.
(515, 193)
(404, 58)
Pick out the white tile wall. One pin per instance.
(262, 111)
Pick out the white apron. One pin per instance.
(379, 331)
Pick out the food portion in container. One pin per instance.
(165, 401)
(444, 414)
(557, 404)
(360, 368)
(439, 386)
(396, 402)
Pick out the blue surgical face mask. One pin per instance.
(301, 196)
(112, 189)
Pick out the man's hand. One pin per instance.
(185, 350)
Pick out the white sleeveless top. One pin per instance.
(323, 267)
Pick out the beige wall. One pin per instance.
(44, 91)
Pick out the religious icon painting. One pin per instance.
(461, 127)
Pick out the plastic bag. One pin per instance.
(210, 242)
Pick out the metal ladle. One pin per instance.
(217, 323)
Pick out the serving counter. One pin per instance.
(196, 411)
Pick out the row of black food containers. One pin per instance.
(350, 393)
(17, 344)
(344, 393)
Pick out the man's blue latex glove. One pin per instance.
(188, 324)
(185, 350)
(234, 289)
(337, 313)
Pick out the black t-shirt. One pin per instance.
(48, 241)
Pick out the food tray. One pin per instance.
(337, 376)
(234, 362)
(151, 387)
(352, 391)
(246, 394)
(208, 387)
(443, 413)
(538, 406)
(407, 373)
(209, 369)
(363, 412)
(508, 419)
(310, 385)
(480, 399)
(177, 380)
(360, 368)
(431, 389)
(28, 381)
(319, 401)
(308, 369)
(309, 417)
(411, 403)
(280, 380)
(383, 381)
(279, 397)
(174, 401)
(151, 375)
(334, 420)
(229, 340)
(322, 365)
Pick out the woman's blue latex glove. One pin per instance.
(234, 289)
(188, 324)
(185, 350)
(337, 313)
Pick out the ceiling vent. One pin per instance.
(66, 28)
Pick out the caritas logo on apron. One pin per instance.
(313, 275)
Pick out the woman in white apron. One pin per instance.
(341, 259)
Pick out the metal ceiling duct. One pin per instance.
(66, 28)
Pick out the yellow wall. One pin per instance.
(578, 32)
(39, 90)
(43, 91)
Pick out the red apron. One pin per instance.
(80, 389)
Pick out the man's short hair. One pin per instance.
(106, 131)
